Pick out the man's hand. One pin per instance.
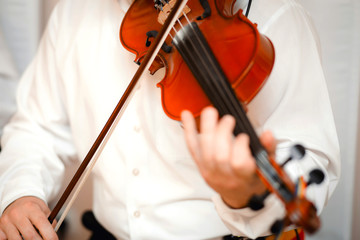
(225, 161)
(26, 218)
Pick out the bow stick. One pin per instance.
(100, 142)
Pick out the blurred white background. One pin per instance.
(338, 24)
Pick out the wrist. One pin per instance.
(240, 199)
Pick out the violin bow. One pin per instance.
(92, 156)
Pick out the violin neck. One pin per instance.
(197, 54)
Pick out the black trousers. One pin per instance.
(98, 232)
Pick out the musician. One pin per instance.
(149, 182)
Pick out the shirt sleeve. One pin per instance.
(39, 128)
(8, 81)
(293, 104)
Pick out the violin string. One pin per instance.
(178, 20)
(176, 32)
(187, 19)
(218, 75)
(222, 91)
(188, 56)
(201, 58)
(173, 27)
(196, 51)
(200, 43)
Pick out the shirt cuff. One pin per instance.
(245, 222)
(16, 195)
(19, 183)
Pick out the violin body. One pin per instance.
(245, 56)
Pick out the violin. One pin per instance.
(218, 58)
(217, 46)
(211, 57)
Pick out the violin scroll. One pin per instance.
(300, 211)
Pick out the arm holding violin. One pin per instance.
(294, 105)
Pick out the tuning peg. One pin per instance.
(316, 176)
(256, 202)
(296, 152)
(277, 227)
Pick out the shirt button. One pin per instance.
(137, 129)
(137, 214)
(136, 171)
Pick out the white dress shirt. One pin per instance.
(146, 185)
